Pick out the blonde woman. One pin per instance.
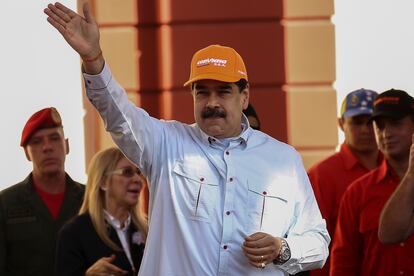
(108, 235)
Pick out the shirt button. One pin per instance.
(402, 244)
(227, 152)
(225, 247)
(88, 81)
(202, 179)
(402, 272)
(228, 213)
(264, 193)
(231, 179)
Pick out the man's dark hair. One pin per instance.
(242, 84)
(250, 112)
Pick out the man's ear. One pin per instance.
(67, 146)
(246, 94)
(341, 122)
(26, 152)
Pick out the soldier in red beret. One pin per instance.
(34, 210)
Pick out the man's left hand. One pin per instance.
(261, 249)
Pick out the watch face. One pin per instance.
(284, 254)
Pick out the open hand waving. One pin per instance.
(81, 33)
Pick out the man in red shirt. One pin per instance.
(356, 249)
(357, 156)
(397, 217)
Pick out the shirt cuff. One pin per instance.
(99, 81)
(295, 256)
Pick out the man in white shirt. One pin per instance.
(224, 199)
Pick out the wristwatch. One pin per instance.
(284, 253)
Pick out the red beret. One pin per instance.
(45, 118)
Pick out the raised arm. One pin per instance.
(397, 217)
(81, 33)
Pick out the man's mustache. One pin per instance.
(213, 113)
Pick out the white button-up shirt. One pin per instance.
(205, 197)
(122, 232)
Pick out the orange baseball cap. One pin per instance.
(45, 118)
(217, 62)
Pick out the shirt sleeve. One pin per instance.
(319, 180)
(346, 248)
(307, 237)
(132, 129)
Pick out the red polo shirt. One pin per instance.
(329, 180)
(356, 249)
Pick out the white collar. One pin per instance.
(114, 222)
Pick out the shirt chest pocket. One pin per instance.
(24, 229)
(268, 209)
(196, 191)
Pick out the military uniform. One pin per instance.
(28, 231)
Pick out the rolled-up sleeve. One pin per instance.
(307, 237)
